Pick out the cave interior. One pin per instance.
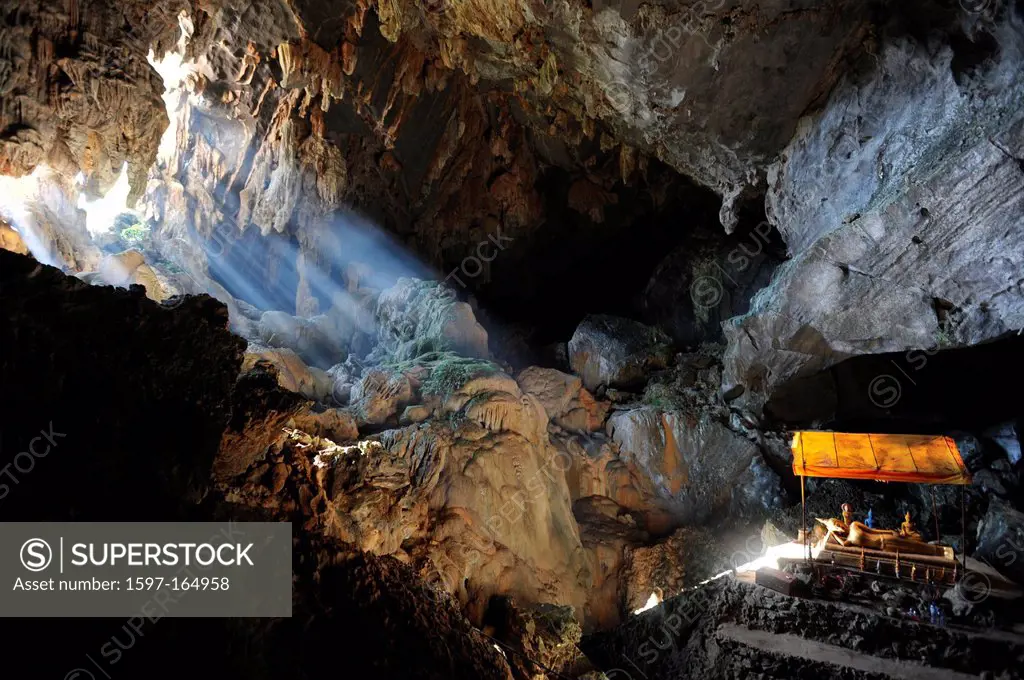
(512, 310)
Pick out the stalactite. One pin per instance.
(73, 17)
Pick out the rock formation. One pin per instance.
(77, 352)
(880, 203)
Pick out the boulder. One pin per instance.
(292, 372)
(343, 376)
(692, 462)
(1007, 437)
(415, 317)
(117, 270)
(415, 414)
(129, 268)
(147, 277)
(1001, 540)
(616, 352)
(554, 389)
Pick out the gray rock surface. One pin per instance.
(1001, 540)
(692, 461)
(1007, 437)
(902, 203)
(756, 491)
(616, 352)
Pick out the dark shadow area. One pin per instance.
(657, 240)
(572, 265)
(914, 391)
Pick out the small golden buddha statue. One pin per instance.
(847, 514)
(907, 528)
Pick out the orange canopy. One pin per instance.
(926, 458)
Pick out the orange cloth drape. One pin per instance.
(924, 458)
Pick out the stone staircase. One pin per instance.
(734, 629)
(745, 652)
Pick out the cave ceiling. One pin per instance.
(446, 122)
(697, 86)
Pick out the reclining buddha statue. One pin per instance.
(857, 534)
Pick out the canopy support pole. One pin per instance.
(803, 506)
(963, 528)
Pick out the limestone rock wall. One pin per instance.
(902, 203)
(77, 92)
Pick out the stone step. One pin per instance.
(732, 629)
(872, 633)
(794, 656)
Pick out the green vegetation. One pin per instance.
(944, 336)
(664, 397)
(134, 234)
(448, 371)
(452, 371)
